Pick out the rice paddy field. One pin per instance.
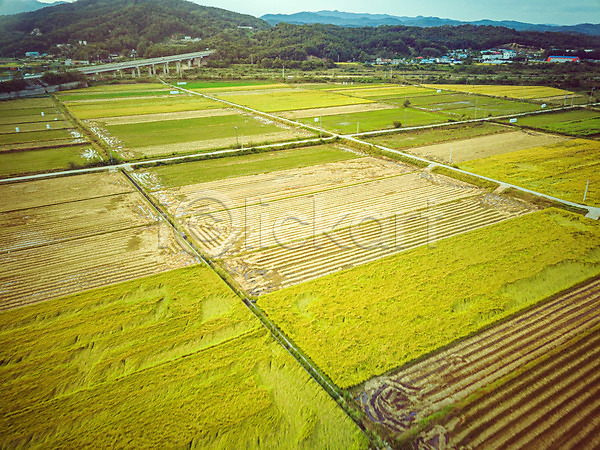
(36, 137)
(440, 308)
(531, 378)
(373, 318)
(376, 120)
(274, 100)
(581, 122)
(65, 235)
(148, 120)
(418, 138)
(561, 170)
(529, 92)
(170, 360)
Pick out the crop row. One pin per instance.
(37, 274)
(467, 368)
(231, 193)
(66, 221)
(265, 225)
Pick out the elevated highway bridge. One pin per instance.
(151, 64)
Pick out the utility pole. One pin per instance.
(586, 190)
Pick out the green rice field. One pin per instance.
(377, 120)
(418, 138)
(579, 122)
(290, 99)
(33, 161)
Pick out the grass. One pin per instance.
(580, 122)
(172, 360)
(118, 108)
(190, 130)
(418, 138)
(531, 92)
(23, 162)
(365, 321)
(560, 170)
(217, 169)
(291, 99)
(377, 120)
(201, 85)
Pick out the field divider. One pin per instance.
(279, 336)
(94, 140)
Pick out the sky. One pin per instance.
(559, 12)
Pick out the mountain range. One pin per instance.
(345, 19)
(8, 7)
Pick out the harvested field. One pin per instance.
(282, 228)
(272, 186)
(484, 146)
(333, 110)
(43, 225)
(143, 118)
(36, 274)
(297, 255)
(528, 380)
(54, 191)
(79, 239)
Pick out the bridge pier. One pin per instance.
(139, 74)
(179, 68)
(189, 63)
(133, 73)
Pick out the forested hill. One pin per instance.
(158, 27)
(116, 25)
(299, 42)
